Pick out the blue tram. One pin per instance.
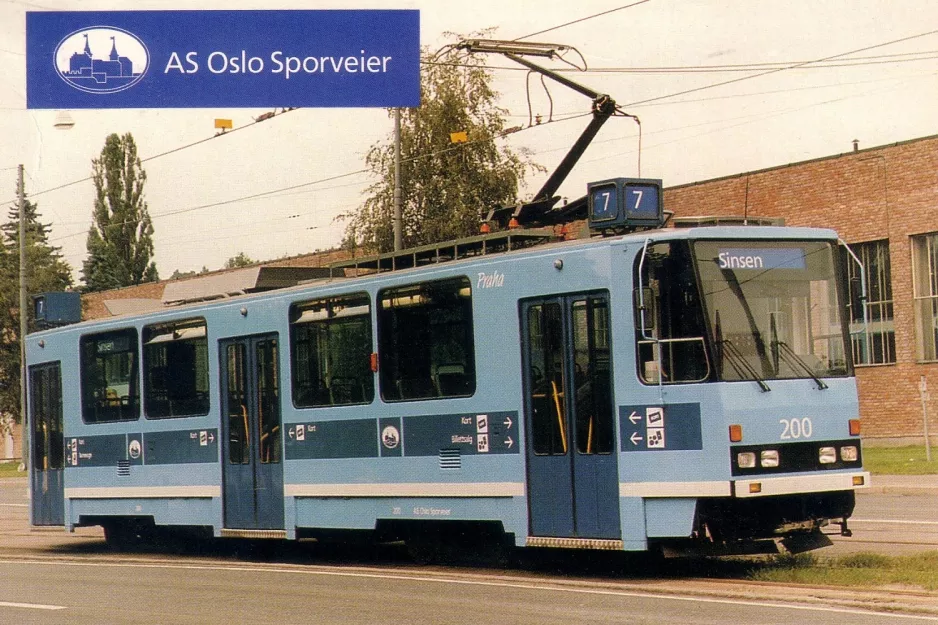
(678, 388)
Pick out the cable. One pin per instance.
(882, 59)
(226, 202)
(161, 154)
(582, 19)
(459, 146)
(781, 69)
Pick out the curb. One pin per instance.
(927, 491)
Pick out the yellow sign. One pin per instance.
(224, 124)
(459, 137)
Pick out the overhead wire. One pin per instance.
(883, 59)
(782, 69)
(269, 192)
(816, 62)
(582, 19)
(160, 155)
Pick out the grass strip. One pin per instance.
(899, 460)
(9, 469)
(871, 570)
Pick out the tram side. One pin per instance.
(516, 395)
(354, 405)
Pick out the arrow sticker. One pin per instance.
(635, 417)
(508, 423)
(635, 438)
(509, 443)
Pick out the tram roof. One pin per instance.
(512, 241)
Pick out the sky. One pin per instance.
(720, 86)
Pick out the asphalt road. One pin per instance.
(170, 591)
(891, 525)
(51, 577)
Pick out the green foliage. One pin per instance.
(860, 569)
(120, 241)
(900, 460)
(864, 560)
(445, 187)
(241, 260)
(10, 469)
(46, 271)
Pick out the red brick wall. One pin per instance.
(889, 192)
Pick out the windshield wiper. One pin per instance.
(740, 364)
(795, 361)
(791, 358)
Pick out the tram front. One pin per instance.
(748, 324)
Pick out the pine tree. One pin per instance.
(46, 271)
(120, 241)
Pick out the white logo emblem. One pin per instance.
(101, 59)
(390, 437)
(134, 449)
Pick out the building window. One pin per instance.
(175, 369)
(109, 370)
(331, 351)
(925, 291)
(874, 343)
(425, 340)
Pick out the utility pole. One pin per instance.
(398, 235)
(923, 392)
(21, 203)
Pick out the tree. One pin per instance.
(120, 241)
(46, 271)
(241, 260)
(445, 186)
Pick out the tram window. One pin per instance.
(592, 376)
(109, 371)
(330, 351)
(175, 369)
(45, 395)
(547, 379)
(674, 324)
(268, 402)
(426, 341)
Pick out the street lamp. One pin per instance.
(63, 120)
(21, 209)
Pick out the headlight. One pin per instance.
(827, 455)
(769, 458)
(849, 453)
(746, 460)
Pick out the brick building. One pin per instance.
(883, 202)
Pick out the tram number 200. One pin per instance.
(796, 428)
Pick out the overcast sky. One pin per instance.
(667, 55)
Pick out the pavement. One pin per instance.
(902, 485)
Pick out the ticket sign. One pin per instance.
(199, 59)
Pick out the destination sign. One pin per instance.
(196, 59)
(761, 258)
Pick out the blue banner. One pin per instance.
(224, 59)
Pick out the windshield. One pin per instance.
(772, 309)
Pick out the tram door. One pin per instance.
(573, 486)
(253, 448)
(47, 457)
